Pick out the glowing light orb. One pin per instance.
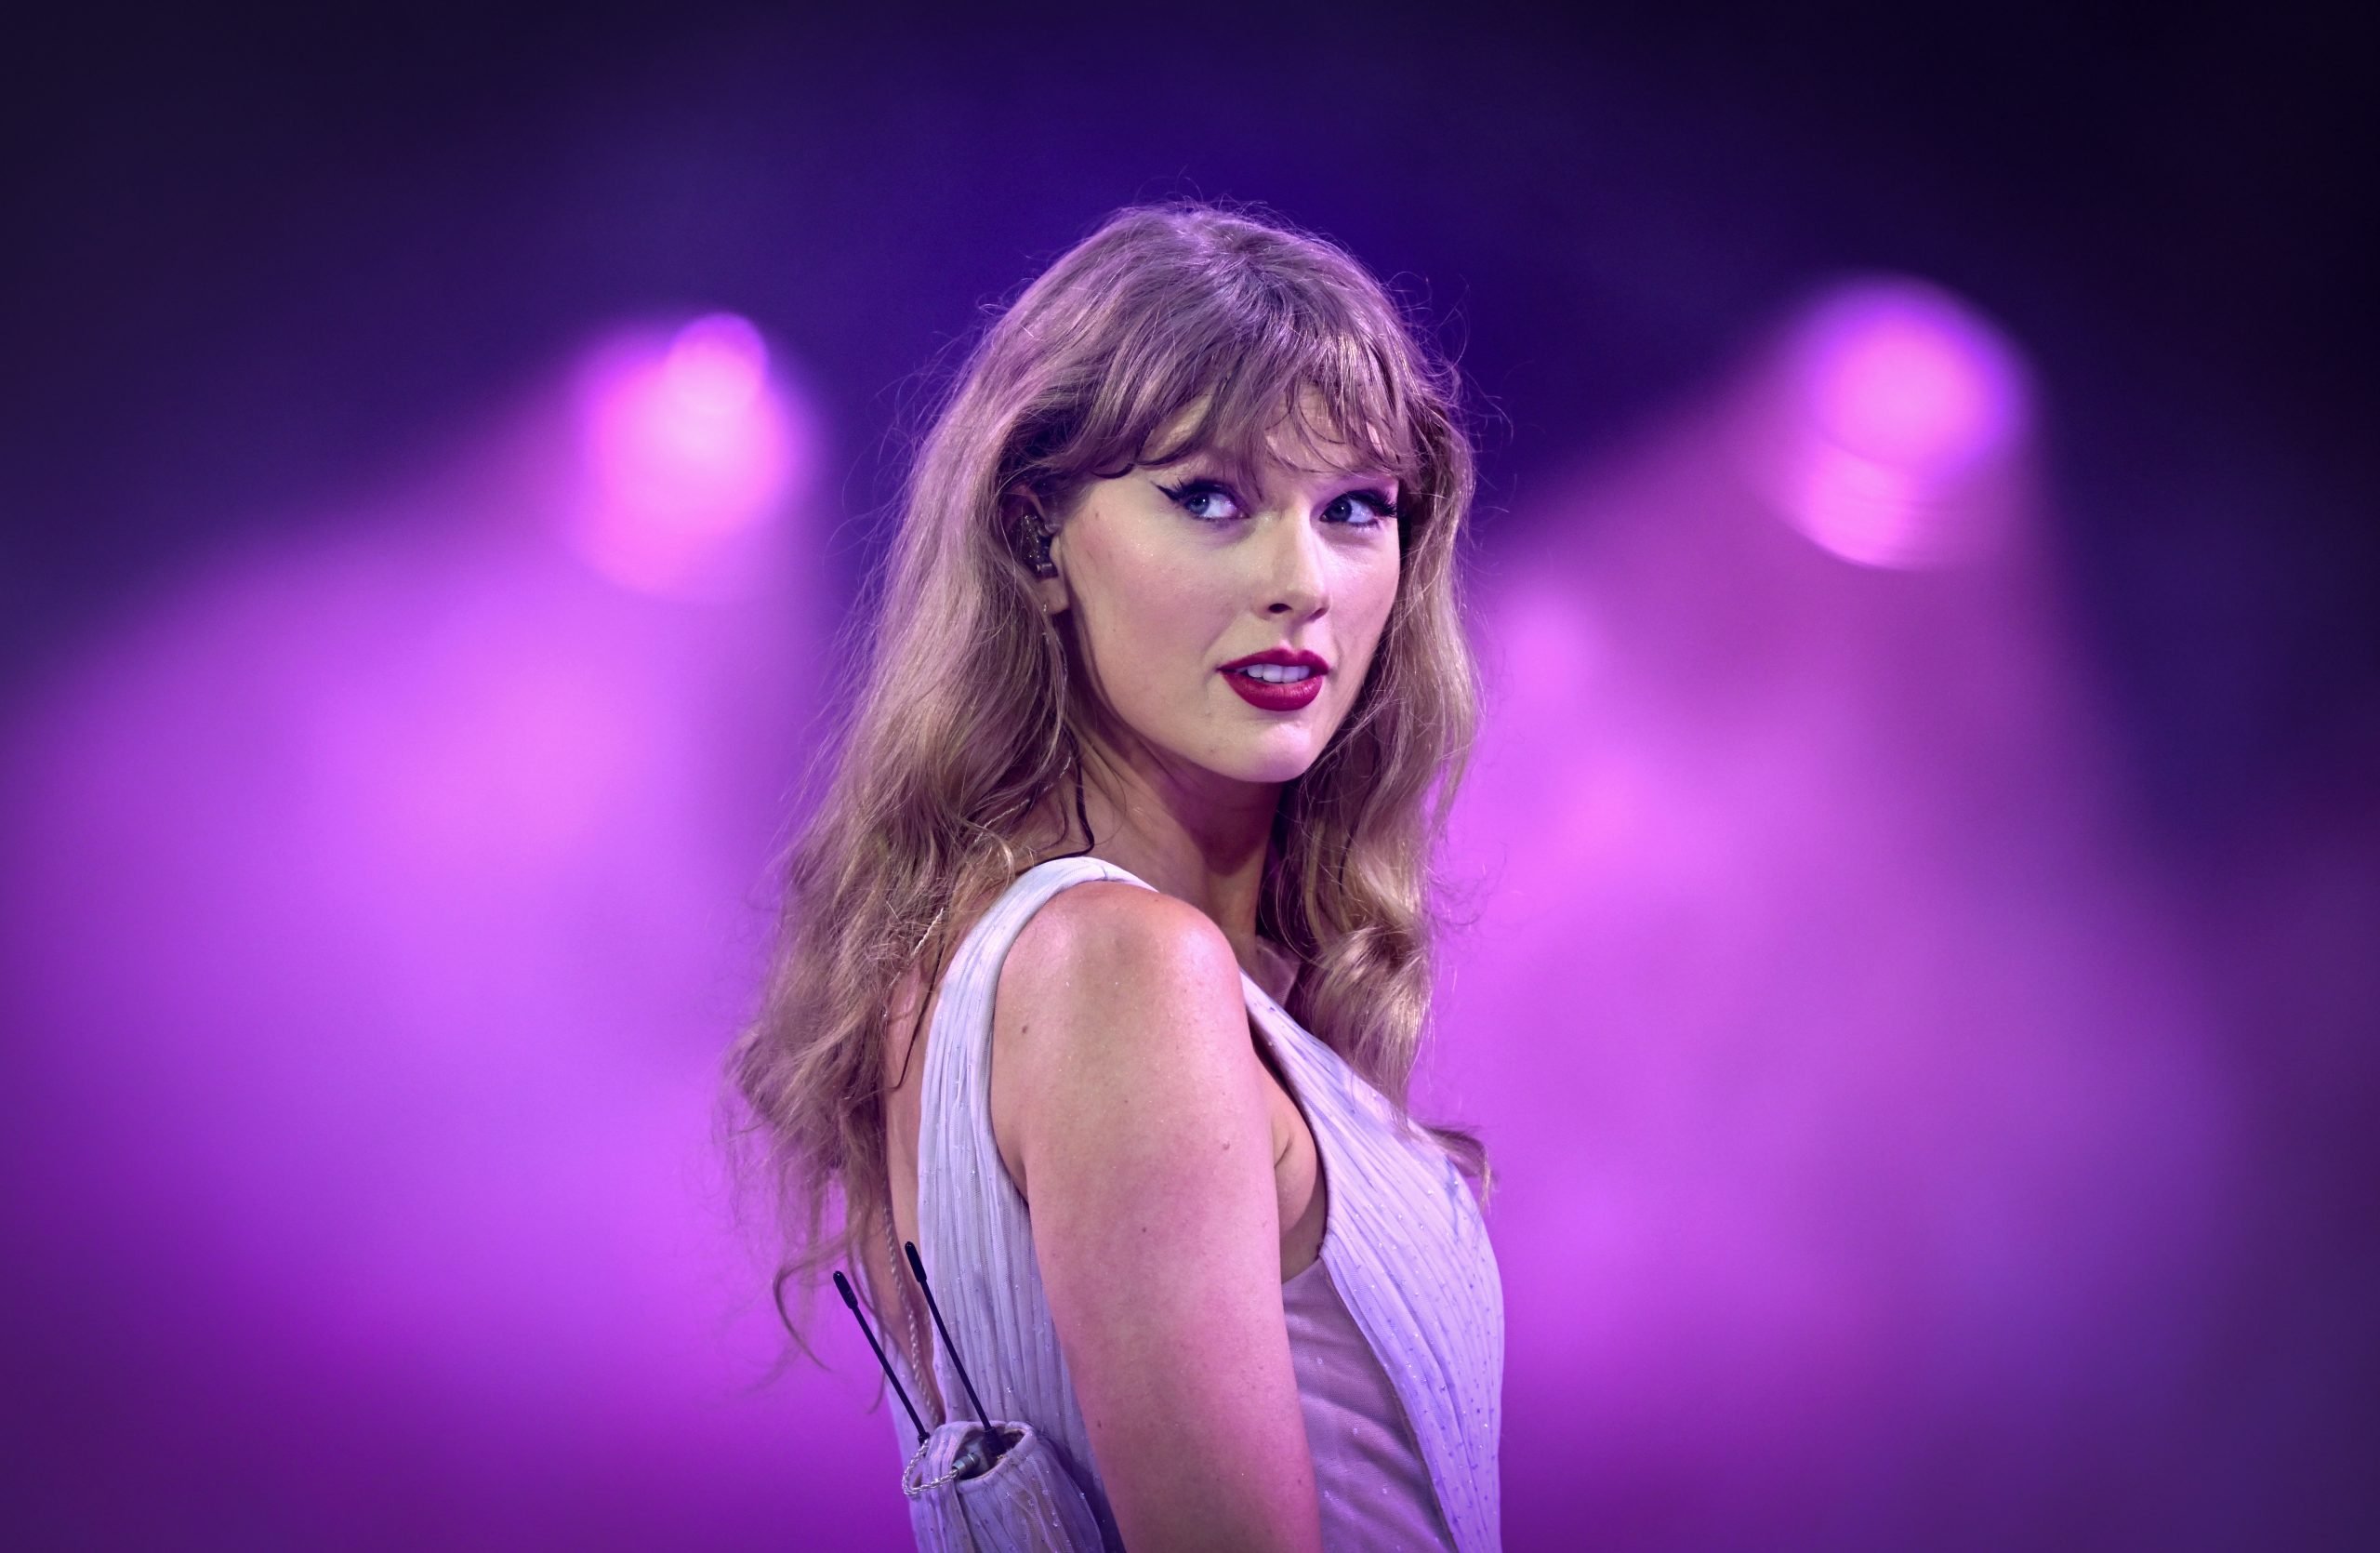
(1905, 411)
(690, 449)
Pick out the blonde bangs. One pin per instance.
(1249, 379)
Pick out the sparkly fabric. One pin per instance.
(1025, 1503)
(1368, 1474)
(1397, 1332)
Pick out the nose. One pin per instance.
(1296, 581)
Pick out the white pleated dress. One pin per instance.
(1396, 1332)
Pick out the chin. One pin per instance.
(1278, 758)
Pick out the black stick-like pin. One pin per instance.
(920, 1269)
(843, 1287)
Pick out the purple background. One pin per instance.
(1918, 878)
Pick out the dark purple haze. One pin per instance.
(1918, 888)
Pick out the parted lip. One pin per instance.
(1289, 657)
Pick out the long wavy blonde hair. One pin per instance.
(972, 707)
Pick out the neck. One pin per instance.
(1198, 837)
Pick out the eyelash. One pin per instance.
(1383, 510)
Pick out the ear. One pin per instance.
(1021, 509)
(1055, 597)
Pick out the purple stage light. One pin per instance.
(691, 447)
(1896, 426)
(1856, 1109)
(394, 881)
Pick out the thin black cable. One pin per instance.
(1082, 816)
(925, 996)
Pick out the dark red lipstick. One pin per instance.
(1277, 695)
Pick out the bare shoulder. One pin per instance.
(1106, 988)
(1140, 1114)
(1109, 932)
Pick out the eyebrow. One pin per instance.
(1234, 472)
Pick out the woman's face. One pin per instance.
(1174, 571)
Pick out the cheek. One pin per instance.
(1146, 607)
(1372, 593)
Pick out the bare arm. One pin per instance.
(1137, 1108)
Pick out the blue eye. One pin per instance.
(1200, 498)
(1189, 497)
(1382, 509)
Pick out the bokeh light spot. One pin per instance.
(692, 447)
(1904, 410)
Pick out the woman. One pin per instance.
(1106, 956)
